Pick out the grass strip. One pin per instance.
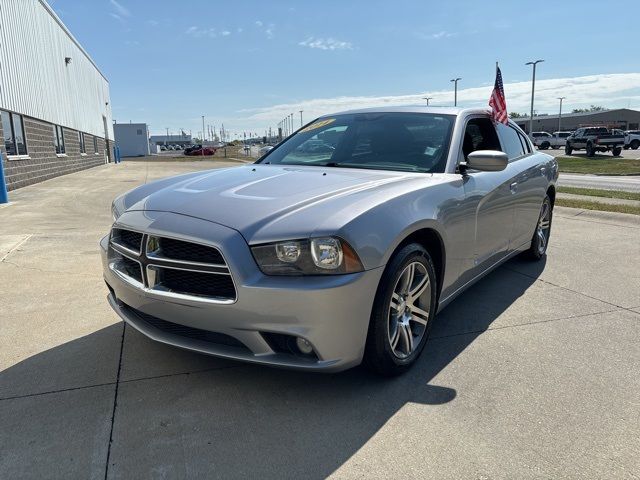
(596, 192)
(603, 207)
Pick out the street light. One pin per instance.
(301, 118)
(560, 115)
(427, 99)
(533, 89)
(455, 97)
(203, 132)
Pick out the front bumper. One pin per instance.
(330, 312)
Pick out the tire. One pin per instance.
(542, 232)
(635, 144)
(567, 149)
(399, 327)
(545, 145)
(591, 151)
(616, 151)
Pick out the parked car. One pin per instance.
(201, 151)
(542, 140)
(632, 139)
(163, 148)
(559, 139)
(190, 148)
(264, 150)
(177, 147)
(594, 139)
(320, 262)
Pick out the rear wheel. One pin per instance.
(540, 239)
(567, 148)
(545, 145)
(403, 312)
(616, 151)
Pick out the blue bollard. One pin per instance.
(4, 196)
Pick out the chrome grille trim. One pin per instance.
(152, 265)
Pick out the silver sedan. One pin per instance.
(339, 246)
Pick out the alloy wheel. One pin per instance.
(409, 310)
(544, 227)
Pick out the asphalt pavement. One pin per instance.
(531, 373)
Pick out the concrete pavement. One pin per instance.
(532, 373)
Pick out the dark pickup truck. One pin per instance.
(594, 139)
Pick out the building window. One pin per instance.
(95, 144)
(83, 148)
(13, 130)
(58, 139)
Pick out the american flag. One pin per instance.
(497, 101)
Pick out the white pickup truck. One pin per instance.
(631, 139)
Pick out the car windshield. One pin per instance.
(416, 142)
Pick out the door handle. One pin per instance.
(513, 187)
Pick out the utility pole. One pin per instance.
(533, 89)
(455, 90)
(560, 115)
(167, 137)
(301, 118)
(427, 99)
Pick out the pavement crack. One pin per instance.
(115, 401)
(571, 317)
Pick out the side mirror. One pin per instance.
(487, 160)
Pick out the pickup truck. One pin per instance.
(542, 140)
(632, 139)
(594, 139)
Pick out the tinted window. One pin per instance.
(58, 139)
(7, 130)
(387, 141)
(511, 143)
(18, 132)
(480, 135)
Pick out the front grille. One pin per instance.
(170, 267)
(130, 268)
(184, 331)
(127, 238)
(197, 283)
(188, 252)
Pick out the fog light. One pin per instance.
(304, 346)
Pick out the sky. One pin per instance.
(248, 64)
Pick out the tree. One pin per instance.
(517, 115)
(592, 108)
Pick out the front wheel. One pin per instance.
(402, 313)
(540, 239)
(635, 144)
(616, 151)
(545, 145)
(591, 151)
(567, 148)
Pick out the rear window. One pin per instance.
(416, 142)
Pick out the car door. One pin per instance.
(528, 187)
(489, 195)
(578, 139)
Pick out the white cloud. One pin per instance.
(258, 23)
(225, 33)
(608, 90)
(326, 44)
(269, 31)
(120, 10)
(153, 23)
(117, 17)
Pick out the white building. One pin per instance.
(54, 101)
(132, 139)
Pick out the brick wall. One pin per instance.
(43, 162)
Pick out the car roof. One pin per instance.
(415, 109)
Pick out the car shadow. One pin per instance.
(285, 424)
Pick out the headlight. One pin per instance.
(318, 256)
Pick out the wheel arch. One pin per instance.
(551, 191)
(433, 243)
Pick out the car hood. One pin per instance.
(253, 197)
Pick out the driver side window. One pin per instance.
(479, 134)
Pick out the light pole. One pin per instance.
(560, 115)
(455, 87)
(202, 149)
(300, 118)
(533, 89)
(167, 137)
(427, 99)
